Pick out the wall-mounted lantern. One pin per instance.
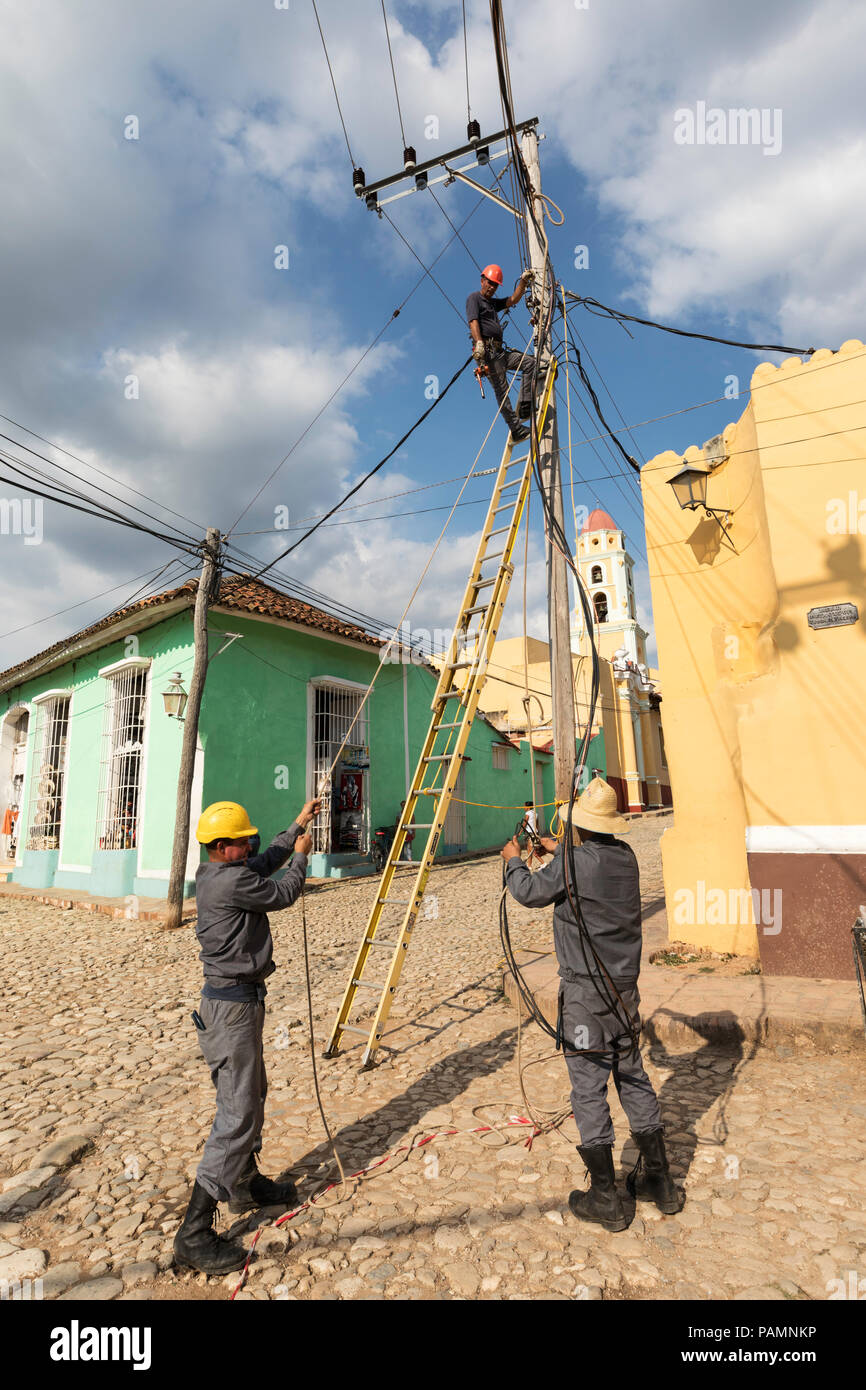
(690, 490)
(175, 697)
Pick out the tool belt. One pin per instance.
(235, 991)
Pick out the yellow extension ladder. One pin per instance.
(442, 755)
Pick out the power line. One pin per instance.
(101, 471)
(103, 515)
(595, 306)
(476, 263)
(73, 492)
(393, 74)
(333, 83)
(353, 369)
(391, 452)
(151, 576)
(717, 400)
(426, 268)
(466, 62)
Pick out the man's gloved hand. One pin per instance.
(478, 351)
(303, 844)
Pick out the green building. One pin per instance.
(89, 757)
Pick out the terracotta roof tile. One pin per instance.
(241, 593)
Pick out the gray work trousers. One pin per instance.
(501, 360)
(231, 1043)
(586, 1024)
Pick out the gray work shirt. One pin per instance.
(232, 901)
(486, 312)
(608, 890)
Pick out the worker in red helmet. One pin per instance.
(482, 310)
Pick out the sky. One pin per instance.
(155, 158)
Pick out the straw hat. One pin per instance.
(595, 809)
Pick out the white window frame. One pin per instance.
(39, 793)
(321, 829)
(108, 819)
(503, 750)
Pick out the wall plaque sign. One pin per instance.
(833, 615)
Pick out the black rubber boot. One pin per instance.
(524, 410)
(650, 1178)
(601, 1202)
(254, 1190)
(197, 1245)
(520, 432)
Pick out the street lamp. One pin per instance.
(175, 697)
(690, 490)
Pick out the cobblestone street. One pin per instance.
(106, 1104)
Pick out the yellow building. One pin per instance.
(763, 648)
(631, 753)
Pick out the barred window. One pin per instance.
(500, 756)
(344, 822)
(46, 784)
(120, 776)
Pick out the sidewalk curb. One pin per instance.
(756, 1011)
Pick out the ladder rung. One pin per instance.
(370, 984)
(500, 531)
(459, 665)
(497, 554)
(505, 486)
(479, 607)
(349, 1028)
(439, 758)
(482, 584)
(509, 507)
(386, 945)
(422, 825)
(455, 725)
(394, 902)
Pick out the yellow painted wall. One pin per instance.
(762, 714)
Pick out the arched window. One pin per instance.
(596, 577)
(600, 601)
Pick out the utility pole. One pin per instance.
(180, 847)
(561, 680)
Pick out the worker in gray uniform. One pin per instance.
(234, 892)
(482, 314)
(597, 1038)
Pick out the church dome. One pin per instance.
(599, 520)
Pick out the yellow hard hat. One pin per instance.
(224, 820)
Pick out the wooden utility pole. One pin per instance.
(561, 682)
(180, 847)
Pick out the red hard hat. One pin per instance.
(494, 273)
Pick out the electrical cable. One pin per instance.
(82, 602)
(466, 63)
(389, 219)
(395, 313)
(393, 74)
(101, 471)
(594, 306)
(74, 492)
(391, 452)
(333, 84)
(476, 263)
(104, 515)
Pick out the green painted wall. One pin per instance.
(168, 645)
(253, 731)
